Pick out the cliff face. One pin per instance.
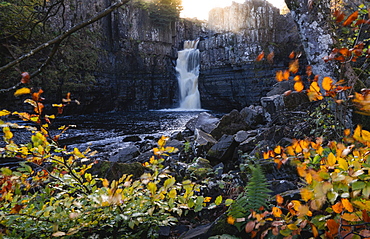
(132, 60)
(230, 77)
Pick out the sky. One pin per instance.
(200, 8)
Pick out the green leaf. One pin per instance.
(228, 202)
(218, 200)
(358, 185)
(6, 171)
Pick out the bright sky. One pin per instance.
(200, 8)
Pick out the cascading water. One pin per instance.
(187, 66)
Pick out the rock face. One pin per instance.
(135, 58)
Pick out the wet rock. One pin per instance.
(272, 106)
(200, 169)
(253, 115)
(230, 124)
(144, 157)
(133, 138)
(280, 87)
(203, 139)
(281, 186)
(243, 135)
(204, 121)
(295, 100)
(223, 150)
(115, 170)
(126, 154)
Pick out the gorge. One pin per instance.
(130, 61)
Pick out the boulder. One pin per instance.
(295, 100)
(272, 106)
(125, 154)
(243, 135)
(230, 124)
(133, 138)
(280, 87)
(204, 121)
(253, 115)
(223, 150)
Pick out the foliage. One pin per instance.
(52, 194)
(334, 201)
(252, 200)
(163, 12)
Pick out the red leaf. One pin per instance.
(260, 56)
(350, 19)
(25, 77)
(339, 16)
(270, 57)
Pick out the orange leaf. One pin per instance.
(298, 86)
(279, 199)
(16, 209)
(345, 52)
(279, 76)
(230, 220)
(276, 212)
(278, 149)
(315, 232)
(294, 66)
(333, 226)
(347, 132)
(350, 19)
(25, 77)
(260, 56)
(327, 83)
(347, 204)
(286, 75)
(292, 55)
(338, 207)
(297, 78)
(309, 70)
(270, 57)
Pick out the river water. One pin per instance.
(106, 132)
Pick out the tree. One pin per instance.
(34, 15)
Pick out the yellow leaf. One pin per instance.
(294, 66)
(315, 232)
(365, 135)
(292, 227)
(306, 194)
(105, 183)
(350, 217)
(327, 83)
(7, 133)
(342, 163)
(279, 199)
(88, 177)
(22, 91)
(298, 86)
(347, 204)
(278, 149)
(77, 153)
(152, 187)
(173, 193)
(331, 159)
(4, 112)
(357, 133)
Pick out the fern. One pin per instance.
(255, 196)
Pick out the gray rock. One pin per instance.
(242, 135)
(125, 154)
(202, 138)
(272, 105)
(252, 115)
(204, 121)
(230, 124)
(223, 150)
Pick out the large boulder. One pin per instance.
(204, 121)
(253, 115)
(125, 154)
(272, 106)
(223, 150)
(230, 124)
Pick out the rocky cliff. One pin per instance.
(127, 62)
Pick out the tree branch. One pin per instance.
(61, 37)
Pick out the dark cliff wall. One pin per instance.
(126, 62)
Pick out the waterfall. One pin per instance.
(187, 66)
